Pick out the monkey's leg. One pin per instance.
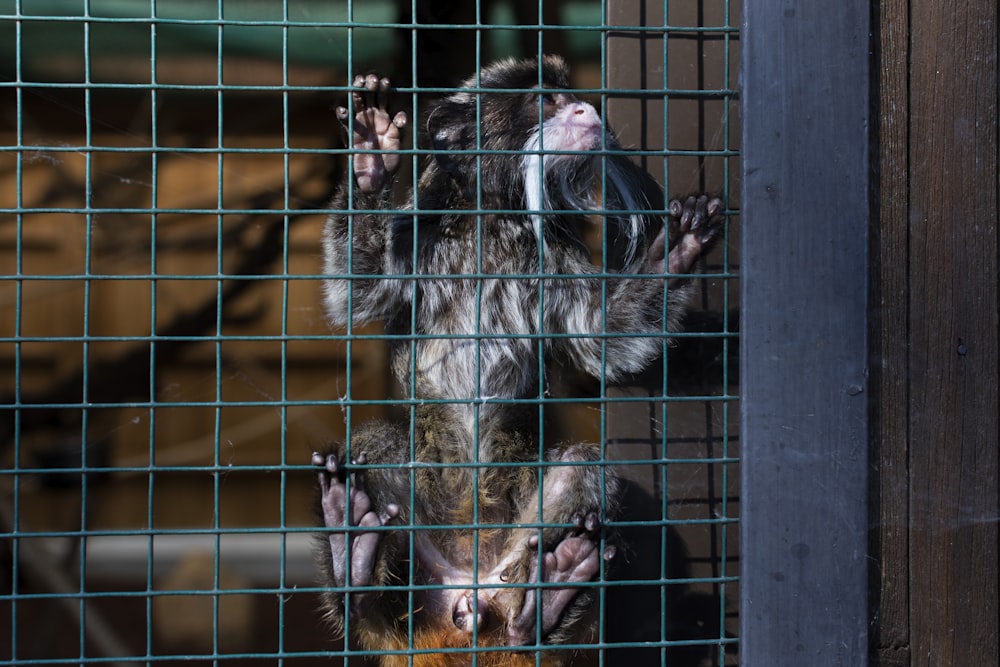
(575, 559)
(365, 506)
(570, 494)
(352, 553)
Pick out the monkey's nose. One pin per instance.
(583, 113)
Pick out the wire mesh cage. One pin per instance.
(168, 369)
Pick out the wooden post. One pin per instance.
(935, 370)
(805, 211)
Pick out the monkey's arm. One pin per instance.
(587, 308)
(361, 244)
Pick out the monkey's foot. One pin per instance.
(576, 559)
(342, 511)
(374, 131)
(692, 226)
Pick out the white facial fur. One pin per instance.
(577, 129)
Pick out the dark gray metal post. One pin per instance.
(805, 213)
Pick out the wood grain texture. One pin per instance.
(889, 509)
(805, 105)
(953, 334)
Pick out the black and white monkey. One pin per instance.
(486, 281)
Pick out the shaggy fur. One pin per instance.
(485, 283)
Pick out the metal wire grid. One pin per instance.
(76, 439)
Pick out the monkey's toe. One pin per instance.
(705, 219)
(587, 523)
(392, 511)
(328, 462)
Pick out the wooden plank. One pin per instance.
(953, 453)
(889, 414)
(805, 106)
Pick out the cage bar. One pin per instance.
(166, 369)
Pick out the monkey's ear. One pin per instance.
(449, 136)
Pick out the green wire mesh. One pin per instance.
(167, 369)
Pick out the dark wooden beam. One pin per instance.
(889, 508)
(952, 334)
(805, 214)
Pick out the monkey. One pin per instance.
(461, 530)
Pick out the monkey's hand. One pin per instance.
(376, 135)
(691, 227)
(576, 559)
(354, 566)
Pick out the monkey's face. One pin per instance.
(480, 135)
(569, 126)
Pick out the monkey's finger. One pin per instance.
(392, 511)
(344, 118)
(522, 631)
(324, 483)
(400, 119)
(704, 211)
(676, 208)
(714, 207)
(700, 212)
(707, 224)
(672, 223)
(363, 551)
(324, 475)
(331, 467)
(357, 95)
(382, 93)
(361, 506)
(550, 564)
(369, 519)
(362, 93)
(710, 210)
(372, 91)
(690, 207)
(588, 522)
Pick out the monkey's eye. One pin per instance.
(548, 99)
